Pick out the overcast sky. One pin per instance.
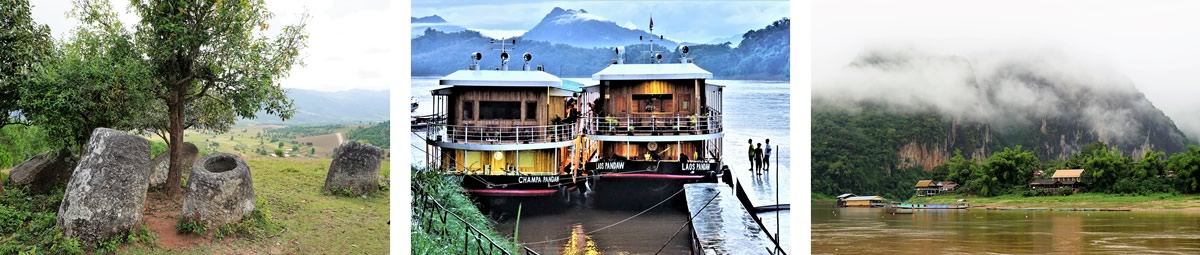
(690, 21)
(1156, 44)
(350, 43)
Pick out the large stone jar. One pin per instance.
(219, 190)
(43, 172)
(107, 191)
(159, 165)
(354, 170)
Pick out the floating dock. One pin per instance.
(759, 193)
(721, 224)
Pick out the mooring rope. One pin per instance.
(614, 224)
(689, 222)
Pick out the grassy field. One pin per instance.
(308, 221)
(1083, 200)
(324, 144)
(313, 223)
(248, 139)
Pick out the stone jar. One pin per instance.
(107, 191)
(44, 171)
(219, 190)
(354, 170)
(159, 166)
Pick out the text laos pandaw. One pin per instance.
(509, 133)
(652, 127)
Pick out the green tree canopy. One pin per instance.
(95, 78)
(23, 44)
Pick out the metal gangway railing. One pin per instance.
(431, 216)
(629, 124)
(503, 135)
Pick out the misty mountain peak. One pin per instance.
(429, 19)
(579, 28)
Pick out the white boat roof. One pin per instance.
(518, 78)
(863, 198)
(652, 72)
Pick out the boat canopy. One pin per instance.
(495, 78)
(498, 78)
(652, 72)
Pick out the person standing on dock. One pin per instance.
(751, 157)
(758, 162)
(766, 157)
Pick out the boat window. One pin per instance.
(499, 110)
(653, 103)
(468, 110)
(530, 110)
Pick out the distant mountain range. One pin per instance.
(574, 43)
(582, 29)
(321, 107)
(734, 40)
(432, 22)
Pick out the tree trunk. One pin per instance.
(175, 145)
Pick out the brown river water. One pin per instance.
(977, 231)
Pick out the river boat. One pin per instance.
(653, 123)
(960, 205)
(503, 131)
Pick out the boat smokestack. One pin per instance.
(683, 54)
(475, 57)
(620, 57)
(504, 61)
(527, 57)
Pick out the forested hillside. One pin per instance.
(378, 134)
(894, 117)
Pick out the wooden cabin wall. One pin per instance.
(543, 161)
(556, 108)
(620, 94)
(638, 150)
(507, 94)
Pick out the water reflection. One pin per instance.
(579, 243)
(843, 230)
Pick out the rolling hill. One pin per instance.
(321, 107)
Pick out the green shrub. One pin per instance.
(28, 224)
(157, 148)
(186, 225)
(448, 191)
(21, 142)
(258, 224)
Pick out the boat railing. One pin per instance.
(503, 135)
(654, 124)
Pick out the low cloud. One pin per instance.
(1001, 88)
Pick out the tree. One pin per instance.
(1151, 165)
(1186, 167)
(95, 78)
(212, 60)
(1012, 166)
(1104, 168)
(23, 44)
